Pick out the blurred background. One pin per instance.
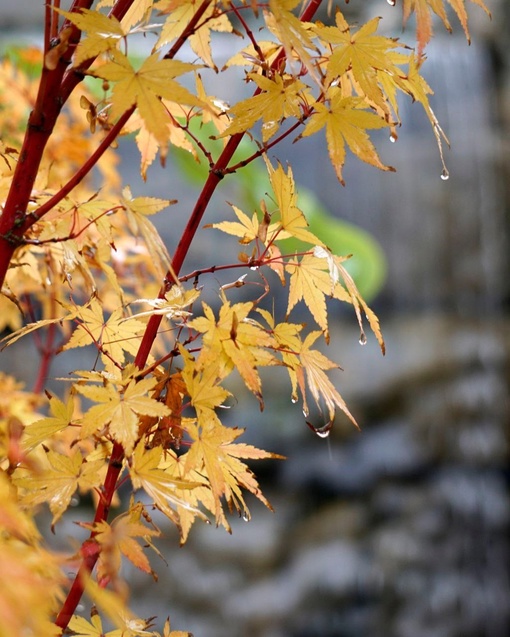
(401, 529)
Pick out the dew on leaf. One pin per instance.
(322, 431)
(293, 400)
(362, 338)
(268, 125)
(445, 174)
(392, 3)
(393, 137)
(223, 106)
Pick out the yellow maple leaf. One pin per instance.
(138, 12)
(315, 365)
(41, 430)
(291, 32)
(149, 146)
(137, 211)
(162, 483)
(172, 306)
(307, 367)
(59, 480)
(202, 384)
(234, 341)
(213, 19)
(10, 314)
(115, 336)
(292, 221)
(359, 304)
(250, 55)
(119, 538)
(362, 53)
(180, 15)
(416, 86)
(103, 33)
(120, 410)
(10, 339)
(280, 98)
(423, 10)
(214, 454)
(145, 87)
(174, 633)
(247, 229)
(346, 120)
(310, 281)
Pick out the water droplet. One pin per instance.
(254, 268)
(75, 501)
(223, 106)
(323, 431)
(362, 338)
(293, 400)
(445, 174)
(305, 412)
(392, 3)
(245, 517)
(393, 137)
(268, 126)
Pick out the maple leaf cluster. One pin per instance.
(84, 268)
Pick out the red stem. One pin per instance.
(215, 176)
(51, 94)
(190, 28)
(90, 559)
(82, 172)
(39, 128)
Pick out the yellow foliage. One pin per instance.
(79, 254)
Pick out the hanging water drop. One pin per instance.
(322, 431)
(362, 338)
(393, 137)
(293, 400)
(245, 517)
(445, 174)
(392, 3)
(305, 412)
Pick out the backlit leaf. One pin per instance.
(145, 87)
(115, 335)
(103, 33)
(214, 452)
(41, 430)
(280, 98)
(423, 10)
(234, 341)
(120, 411)
(150, 472)
(58, 482)
(346, 121)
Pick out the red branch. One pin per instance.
(55, 87)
